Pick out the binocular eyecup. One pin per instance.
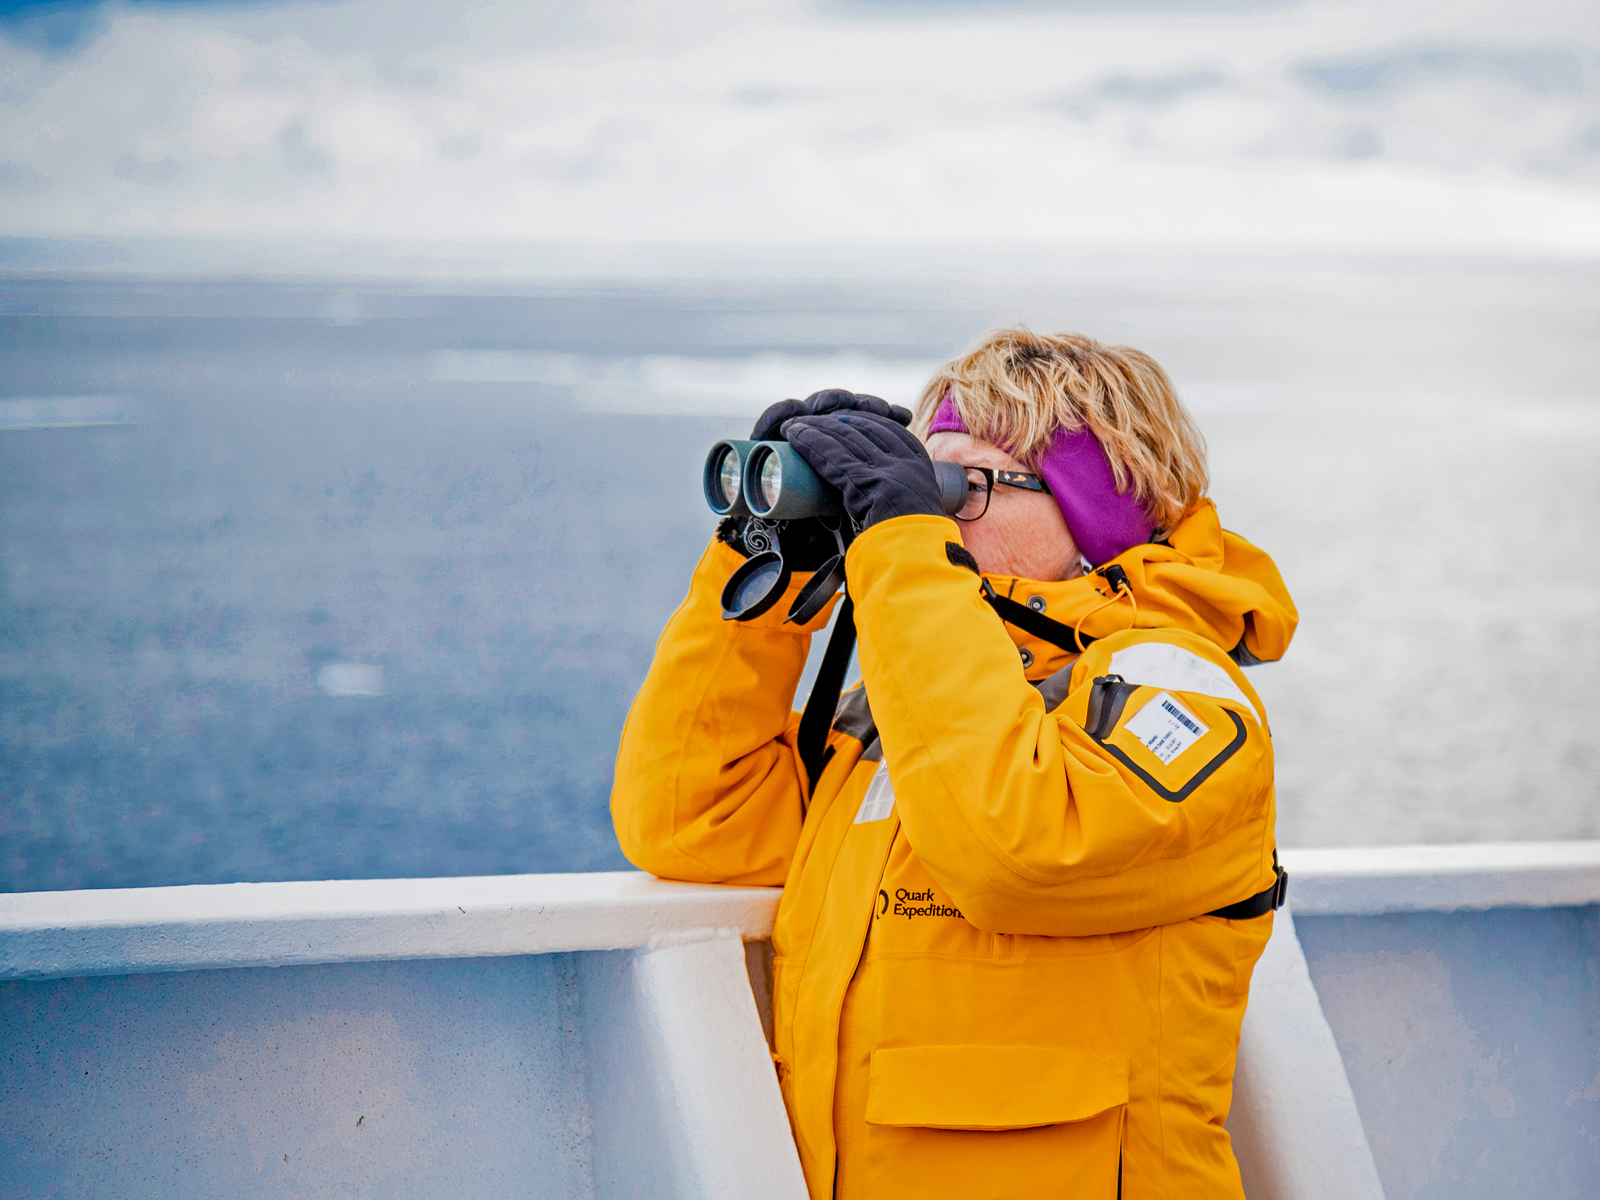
(771, 481)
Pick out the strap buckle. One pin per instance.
(1280, 891)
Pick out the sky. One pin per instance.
(1342, 125)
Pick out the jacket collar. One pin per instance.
(1202, 579)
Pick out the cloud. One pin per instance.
(1150, 91)
(1353, 123)
(300, 157)
(153, 174)
(18, 181)
(1549, 70)
(927, 8)
(459, 147)
(53, 27)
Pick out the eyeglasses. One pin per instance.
(981, 481)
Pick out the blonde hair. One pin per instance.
(1015, 388)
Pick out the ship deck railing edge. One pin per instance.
(126, 931)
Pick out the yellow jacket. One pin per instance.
(993, 973)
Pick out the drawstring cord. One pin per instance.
(1119, 589)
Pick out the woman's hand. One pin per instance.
(809, 543)
(878, 464)
(833, 400)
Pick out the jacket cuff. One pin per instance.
(897, 541)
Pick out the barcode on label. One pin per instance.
(1165, 727)
(1182, 717)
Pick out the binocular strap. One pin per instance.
(817, 718)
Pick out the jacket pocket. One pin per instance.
(993, 1122)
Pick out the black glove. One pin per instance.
(880, 467)
(832, 400)
(806, 545)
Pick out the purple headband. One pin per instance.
(1103, 523)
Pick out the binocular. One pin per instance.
(769, 482)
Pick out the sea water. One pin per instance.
(312, 579)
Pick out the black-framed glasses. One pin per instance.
(981, 482)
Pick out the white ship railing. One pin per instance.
(652, 998)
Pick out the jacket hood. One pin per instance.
(1203, 580)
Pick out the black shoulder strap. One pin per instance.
(817, 718)
(1041, 626)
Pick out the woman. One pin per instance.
(1024, 899)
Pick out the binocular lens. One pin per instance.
(769, 481)
(772, 481)
(723, 478)
(779, 485)
(728, 472)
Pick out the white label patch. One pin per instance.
(878, 803)
(1165, 727)
(1162, 665)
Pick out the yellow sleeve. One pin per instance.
(709, 787)
(1029, 823)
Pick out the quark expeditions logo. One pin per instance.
(909, 904)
